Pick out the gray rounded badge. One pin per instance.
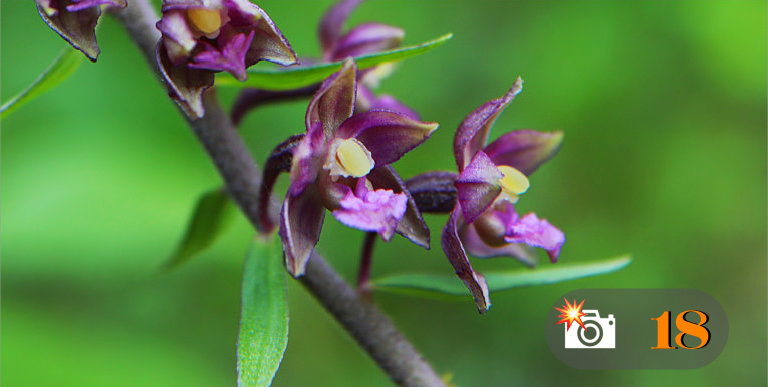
(636, 328)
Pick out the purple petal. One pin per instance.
(50, 7)
(478, 186)
(387, 135)
(412, 224)
(367, 38)
(78, 5)
(77, 28)
(186, 85)
(366, 101)
(332, 23)
(184, 4)
(178, 38)
(454, 250)
(229, 56)
(478, 248)
(472, 134)
(536, 232)
(301, 220)
(335, 101)
(524, 150)
(268, 42)
(388, 102)
(364, 98)
(379, 210)
(307, 159)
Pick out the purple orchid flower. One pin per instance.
(75, 21)
(202, 37)
(491, 179)
(366, 38)
(343, 164)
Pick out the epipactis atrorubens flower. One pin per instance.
(75, 21)
(343, 164)
(491, 179)
(202, 37)
(366, 38)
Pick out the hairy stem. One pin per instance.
(373, 330)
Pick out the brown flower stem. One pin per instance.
(372, 329)
(366, 255)
(249, 99)
(279, 161)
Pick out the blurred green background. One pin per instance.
(664, 109)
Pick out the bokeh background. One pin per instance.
(664, 109)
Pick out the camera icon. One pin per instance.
(598, 332)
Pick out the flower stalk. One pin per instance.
(371, 328)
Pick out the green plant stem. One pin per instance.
(372, 329)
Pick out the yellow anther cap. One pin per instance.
(353, 158)
(207, 21)
(513, 183)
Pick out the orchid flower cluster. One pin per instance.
(343, 163)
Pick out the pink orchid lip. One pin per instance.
(502, 226)
(532, 231)
(377, 210)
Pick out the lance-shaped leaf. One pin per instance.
(301, 76)
(213, 212)
(431, 285)
(62, 68)
(263, 334)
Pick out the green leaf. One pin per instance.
(264, 315)
(64, 65)
(213, 213)
(301, 76)
(431, 285)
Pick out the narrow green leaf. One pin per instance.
(264, 315)
(301, 76)
(64, 65)
(211, 216)
(430, 285)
